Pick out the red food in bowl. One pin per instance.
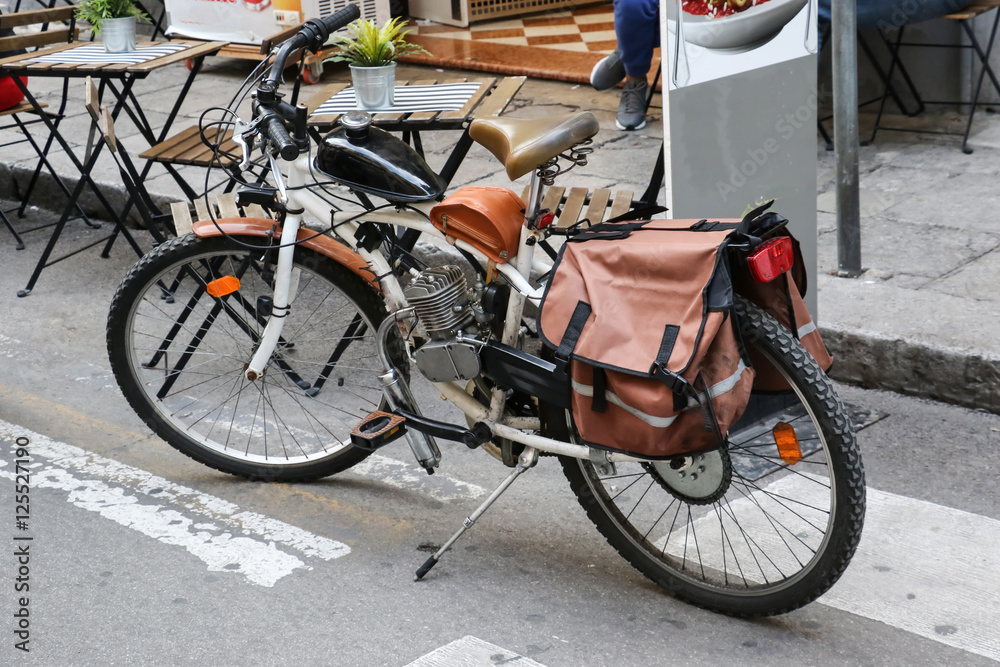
(718, 8)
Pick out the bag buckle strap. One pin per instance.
(674, 381)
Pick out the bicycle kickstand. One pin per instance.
(528, 458)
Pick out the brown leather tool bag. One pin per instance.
(641, 314)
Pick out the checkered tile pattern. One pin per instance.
(588, 30)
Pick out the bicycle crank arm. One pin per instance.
(479, 434)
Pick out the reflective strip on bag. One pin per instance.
(722, 386)
(656, 422)
(714, 391)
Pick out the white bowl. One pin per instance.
(739, 32)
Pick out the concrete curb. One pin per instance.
(878, 361)
(14, 181)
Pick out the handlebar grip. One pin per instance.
(315, 32)
(275, 131)
(339, 19)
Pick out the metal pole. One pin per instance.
(844, 24)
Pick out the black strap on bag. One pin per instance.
(681, 388)
(573, 331)
(608, 231)
(599, 402)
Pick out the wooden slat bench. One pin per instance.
(224, 206)
(601, 204)
(186, 147)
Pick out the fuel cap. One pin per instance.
(356, 123)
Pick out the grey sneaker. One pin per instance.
(608, 72)
(632, 108)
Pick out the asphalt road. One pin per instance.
(141, 556)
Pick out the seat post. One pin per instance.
(534, 196)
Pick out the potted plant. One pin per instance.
(113, 20)
(371, 54)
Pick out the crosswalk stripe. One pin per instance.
(931, 570)
(471, 651)
(223, 536)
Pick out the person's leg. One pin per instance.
(637, 26)
(823, 25)
(894, 14)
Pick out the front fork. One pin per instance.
(283, 297)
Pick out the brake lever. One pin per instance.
(240, 132)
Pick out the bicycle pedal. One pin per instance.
(377, 430)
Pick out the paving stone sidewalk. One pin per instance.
(920, 320)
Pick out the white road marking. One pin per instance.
(471, 651)
(402, 475)
(399, 474)
(218, 532)
(412, 477)
(920, 567)
(931, 570)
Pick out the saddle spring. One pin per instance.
(577, 157)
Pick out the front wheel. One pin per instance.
(184, 325)
(742, 531)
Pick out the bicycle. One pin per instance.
(275, 351)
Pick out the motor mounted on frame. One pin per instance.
(452, 316)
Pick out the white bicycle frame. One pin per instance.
(297, 197)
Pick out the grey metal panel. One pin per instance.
(744, 139)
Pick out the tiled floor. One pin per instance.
(561, 45)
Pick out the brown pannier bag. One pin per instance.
(641, 314)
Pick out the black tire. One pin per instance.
(780, 535)
(289, 425)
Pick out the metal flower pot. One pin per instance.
(118, 35)
(374, 86)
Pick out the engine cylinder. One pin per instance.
(440, 299)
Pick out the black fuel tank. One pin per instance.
(378, 163)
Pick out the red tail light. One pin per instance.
(771, 259)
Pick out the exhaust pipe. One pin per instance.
(397, 394)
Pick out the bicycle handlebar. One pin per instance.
(312, 35)
(274, 129)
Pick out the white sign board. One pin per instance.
(740, 111)
(251, 21)
(240, 21)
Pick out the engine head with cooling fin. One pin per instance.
(439, 297)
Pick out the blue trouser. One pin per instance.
(891, 13)
(637, 26)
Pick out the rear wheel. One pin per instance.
(179, 354)
(742, 531)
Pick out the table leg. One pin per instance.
(455, 159)
(85, 180)
(986, 69)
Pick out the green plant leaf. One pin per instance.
(365, 45)
(95, 12)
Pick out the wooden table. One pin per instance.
(491, 98)
(117, 74)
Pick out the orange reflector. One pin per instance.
(223, 286)
(788, 443)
